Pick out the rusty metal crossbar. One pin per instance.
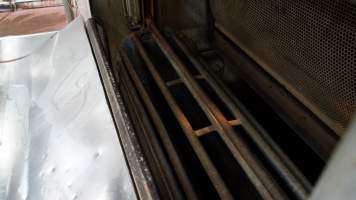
(209, 129)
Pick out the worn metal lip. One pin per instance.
(28, 35)
(28, 43)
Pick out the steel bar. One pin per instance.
(172, 154)
(11, 6)
(291, 175)
(132, 11)
(38, 4)
(258, 175)
(68, 11)
(185, 125)
(178, 81)
(204, 131)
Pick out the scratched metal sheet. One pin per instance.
(57, 137)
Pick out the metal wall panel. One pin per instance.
(308, 46)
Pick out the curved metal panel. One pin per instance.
(57, 136)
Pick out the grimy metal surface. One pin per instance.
(57, 137)
(307, 46)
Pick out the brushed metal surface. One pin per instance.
(338, 181)
(57, 136)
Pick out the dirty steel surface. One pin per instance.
(307, 46)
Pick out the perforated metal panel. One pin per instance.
(308, 45)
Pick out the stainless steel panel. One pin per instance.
(57, 137)
(338, 181)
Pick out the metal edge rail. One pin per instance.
(142, 177)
